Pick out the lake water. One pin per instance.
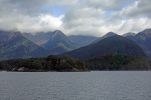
(75, 86)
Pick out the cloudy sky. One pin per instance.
(86, 17)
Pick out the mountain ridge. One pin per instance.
(14, 45)
(112, 45)
(58, 43)
(143, 39)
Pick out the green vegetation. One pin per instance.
(68, 64)
(119, 62)
(51, 63)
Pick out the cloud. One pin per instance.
(107, 4)
(131, 25)
(27, 16)
(141, 8)
(42, 23)
(87, 17)
(83, 20)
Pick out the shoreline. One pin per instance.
(83, 71)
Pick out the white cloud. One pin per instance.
(135, 25)
(41, 23)
(89, 17)
(141, 8)
(107, 4)
(31, 23)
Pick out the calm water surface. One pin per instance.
(75, 86)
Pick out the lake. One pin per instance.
(75, 86)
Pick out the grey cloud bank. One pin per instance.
(86, 17)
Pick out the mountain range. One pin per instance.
(143, 39)
(81, 40)
(110, 44)
(57, 42)
(25, 45)
(14, 45)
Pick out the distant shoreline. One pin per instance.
(85, 71)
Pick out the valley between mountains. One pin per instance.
(54, 51)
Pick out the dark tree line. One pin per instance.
(64, 63)
(120, 62)
(51, 63)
